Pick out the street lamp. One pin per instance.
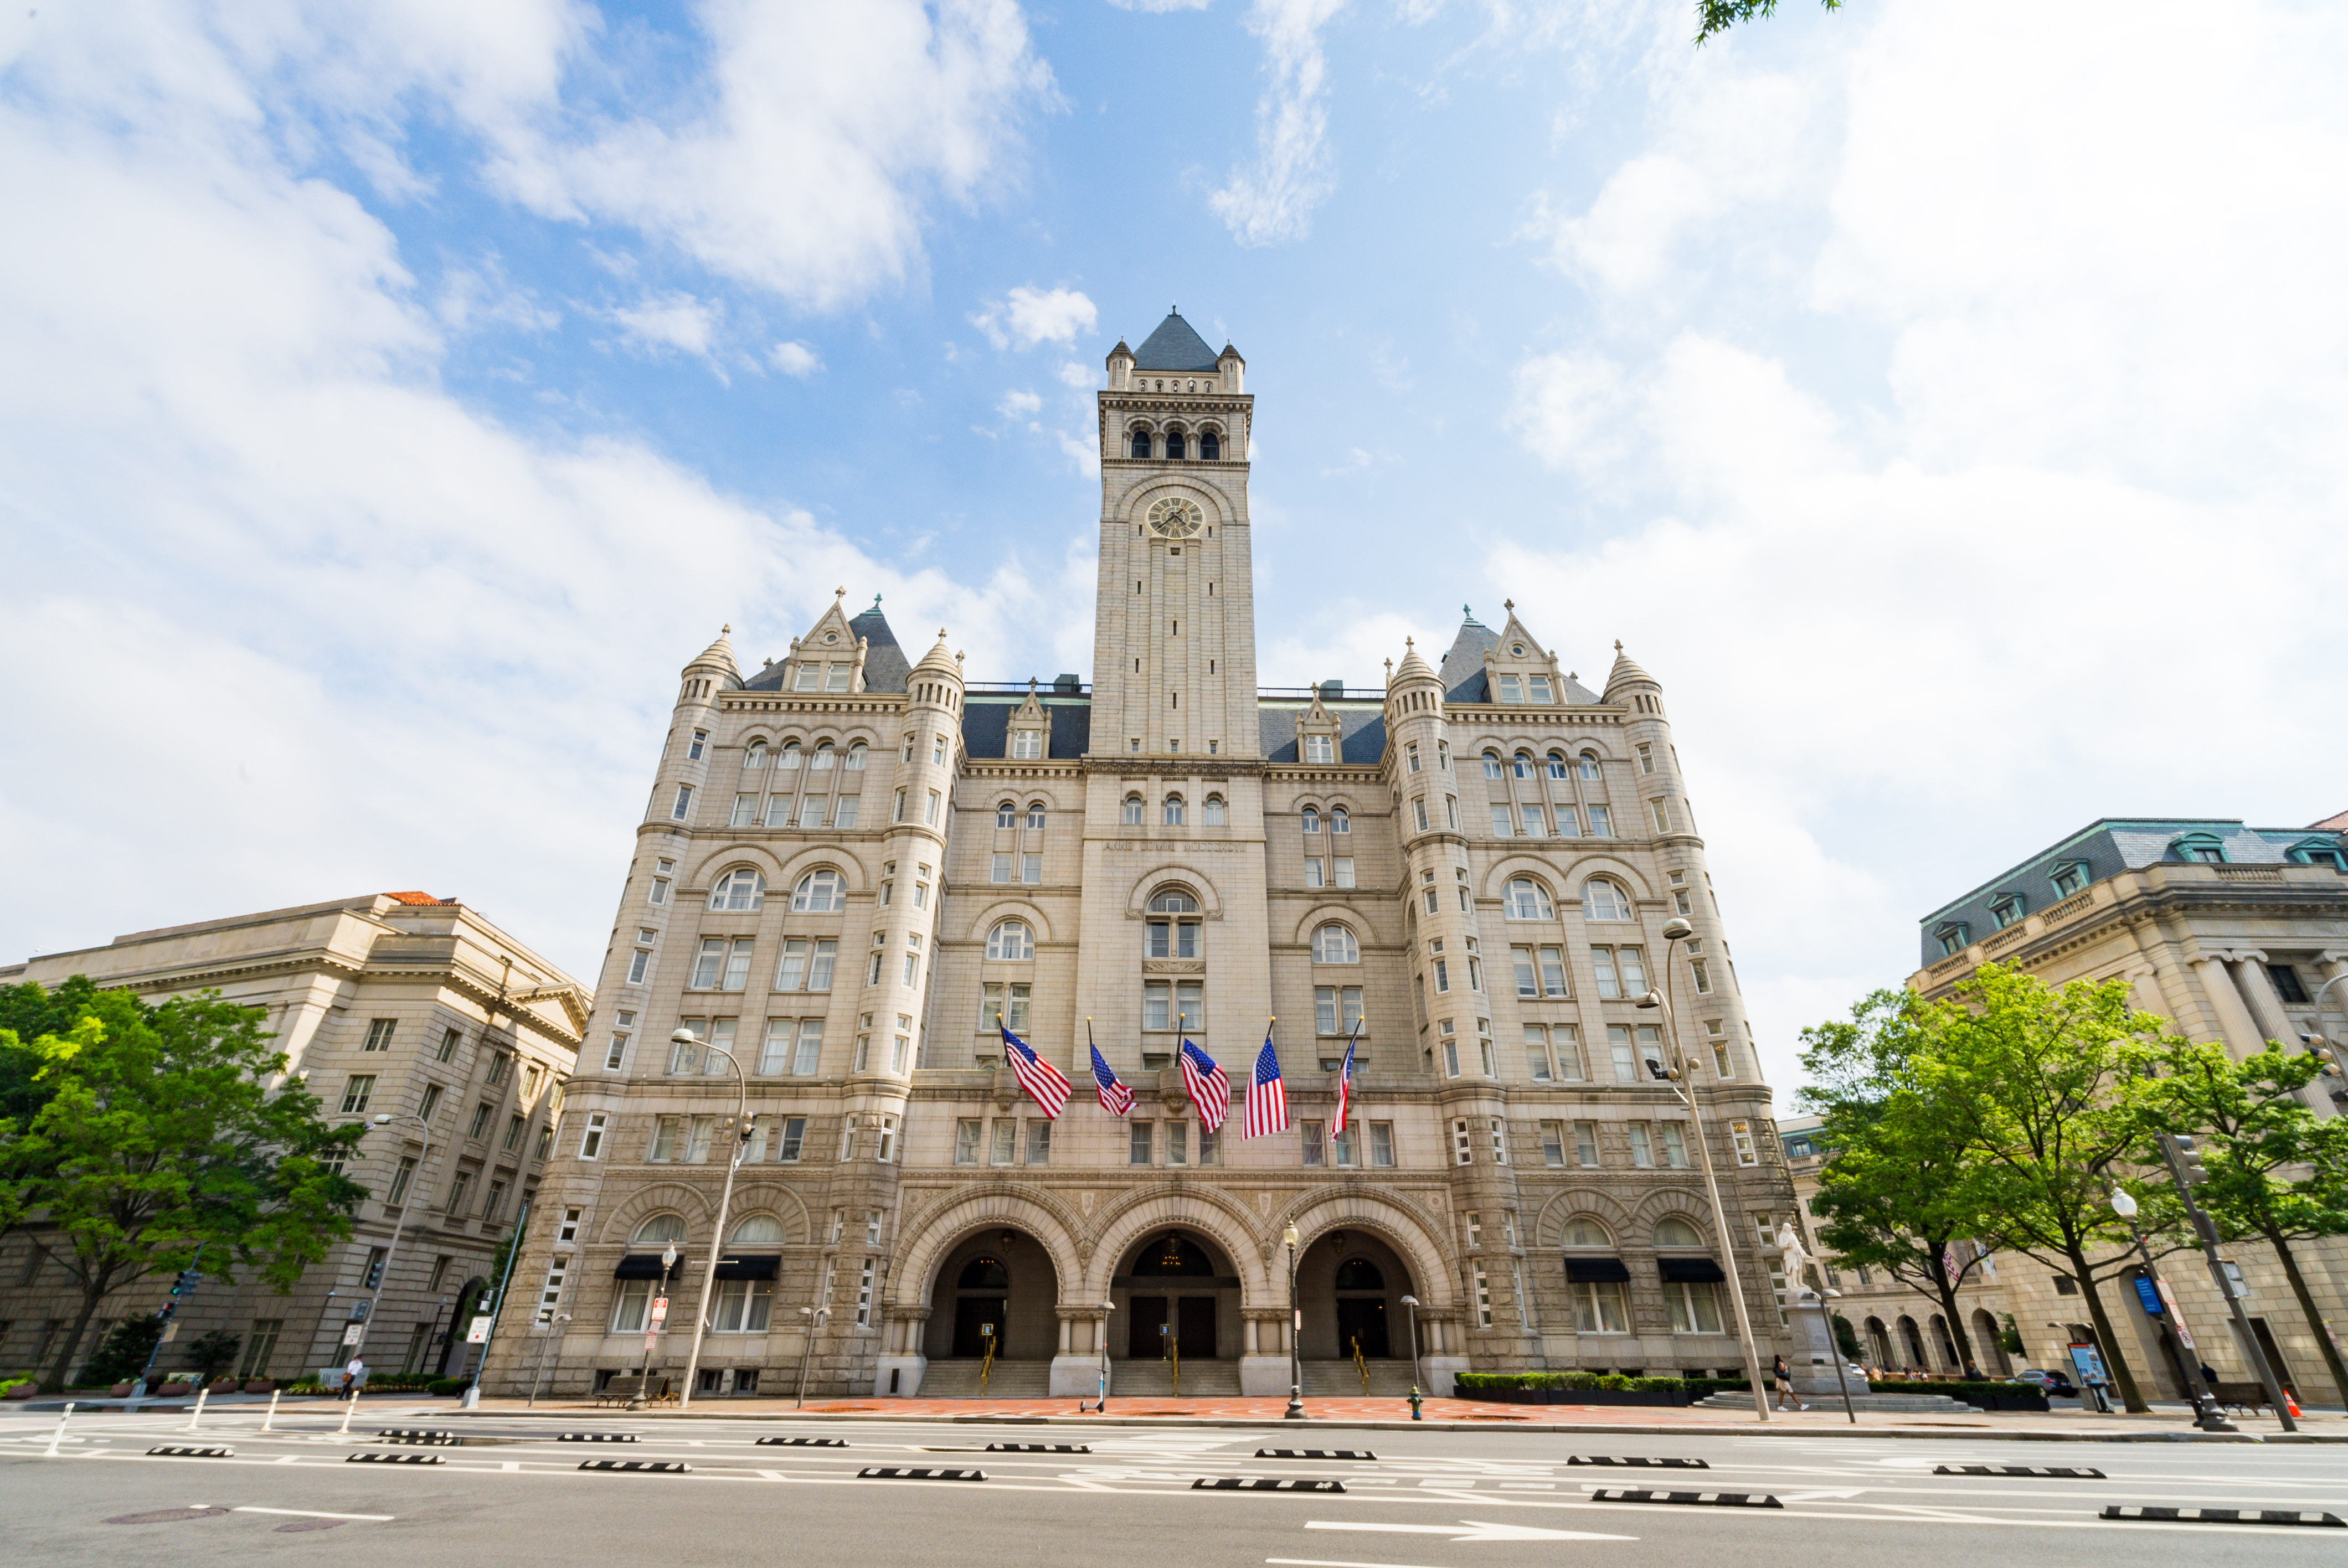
(1681, 1075)
(1411, 1302)
(644, 1373)
(2208, 1414)
(383, 1277)
(741, 1139)
(1295, 1411)
(815, 1317)
(1100, 1404)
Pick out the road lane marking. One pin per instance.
(1465, 1530)
(1330, 1562)
(311, 1513)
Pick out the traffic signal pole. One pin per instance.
(187, 1281)
(2186, 1170)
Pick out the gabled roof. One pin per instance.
(1463, 668)
(884, 661)
(1174, 346)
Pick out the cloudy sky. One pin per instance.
(1944, 398)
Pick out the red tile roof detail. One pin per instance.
(418, 898)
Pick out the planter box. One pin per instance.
(259, 1385)
(2024, 1399)
(1667, 1396)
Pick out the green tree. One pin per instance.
(1717, 16)
(2277, 1171)
(162, 1133)
(214, 1353)
(2043, 1078)
(1899, 1192)
(122, 1356)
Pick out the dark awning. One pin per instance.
(749, 1265)
(1690, 1270)
(645, 1266)
(1596, 1271)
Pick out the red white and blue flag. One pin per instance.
(1267, 1096)
(1115, 1097)
(1345, 1088)
(1209, 1088)
(1038, 1077)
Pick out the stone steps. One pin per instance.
(1329, 1379)
(958, 1380)
(1155, 1380)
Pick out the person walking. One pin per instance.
(354, 1374)
(1784, 1378)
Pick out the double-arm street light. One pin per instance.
(738, 1136)
(1681, 1075)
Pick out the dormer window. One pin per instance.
(807, 676)
(2070, 877)
(1319, 748)
(1026, 746)
(2201, 847)
(1537, 688)
(1511, 689)
(2319, 854)
(1954, 937)
(2007, 909)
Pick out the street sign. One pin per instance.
(652, 1341)
(352, 1335)
(2235, 1286)
(2175, 1318)
(170, 1332)
(660, 1309)
(2146, 1295)
(478, 1332)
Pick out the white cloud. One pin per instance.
(796, 359)
(1083, 377)
(1017, 405)
(673, 320)
(2090, 499)
(1272, 200)
(1161, 5)
(1030, 316)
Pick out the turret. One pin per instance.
(1120, 367)
(684, 762)
(1234, 370)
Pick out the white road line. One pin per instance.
(1330, 1562)
(309, 1514)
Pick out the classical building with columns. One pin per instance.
(2234, 933)
(855, 864)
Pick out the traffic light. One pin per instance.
(2190, 1168)
(182, 1283)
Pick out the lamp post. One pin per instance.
(1100, 1404)
(552, 1328)
(653, 1334)
(1412, 1303)
(2208, 1414)
(815, 1317)
(740, 1138)
(1681, 1075)
(374, 1298)
(1295, 1411)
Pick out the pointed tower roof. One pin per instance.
(719, 654)
(940, 660)
(1626, 672)
(1463, 666)
(1174, 346)
(1413, 666)
(884, 660)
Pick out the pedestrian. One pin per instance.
(354, 1374)
(2209, 1374)
(1973, 1373)
(1785, 1378)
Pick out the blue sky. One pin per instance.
(1944, 400)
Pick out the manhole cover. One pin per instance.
(290, 1528)
(166, 1515)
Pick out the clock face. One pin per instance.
(1175, 519)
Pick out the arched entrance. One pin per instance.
(1176, 1288)
(1879, 1346)
(1350, 1285)
(999, 1280)
(1990, 1344)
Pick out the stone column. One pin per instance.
(2234, 1021)
(905, 1357)
(1076, 1370)
(1264, 1370)
(2266, 1002)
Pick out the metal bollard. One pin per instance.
(198, 1413)
(58, 1436)
(350, 1408)
(272, 1415)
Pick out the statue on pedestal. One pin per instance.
(1797, 1257)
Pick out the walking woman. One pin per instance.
(1784, 1378)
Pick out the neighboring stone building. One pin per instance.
(2232, 932)
(852, 865)
(397, 1003)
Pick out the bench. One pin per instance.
(629, 1387)
(2243, 1397)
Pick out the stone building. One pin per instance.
(396, 1003)
(2232, 932)
(855, 863)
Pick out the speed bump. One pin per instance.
(1264, 1483)
(1697, 1499)
(2227, 1516)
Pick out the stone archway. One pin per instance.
(1349, 1285)
(1176, 1285)
(999, 1280)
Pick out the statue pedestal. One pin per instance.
(1813, 1356)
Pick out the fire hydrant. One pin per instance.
(1414, 1404)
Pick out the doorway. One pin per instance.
(971, 1316)
(1363, 1320)
(1143, 1341)
(1195, 1326)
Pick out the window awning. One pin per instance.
(645, 1266)
(1596, 1271)
(749, 1265)
(1689, 1270)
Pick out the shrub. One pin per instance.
(9, 1385)
(122, 1356)
(448, 1386)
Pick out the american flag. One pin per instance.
(1267, 1096)
(1115, 1097)
(1345, 1088)
(1038, 1077)
(1209, 1088)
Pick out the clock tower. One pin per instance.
(1174, 649)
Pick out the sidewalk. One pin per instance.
(2167, 1423)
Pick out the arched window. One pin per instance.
(1338, 821)
(1035, 816)
(1589, 764)
(855, 763)
(1359, 1273)
(983, 1274)
(1173, 811)
(1524, 765)
(1528, 900)
(1491, 764)
(1133, 810)
(790, 757)
(1214, 815)
(1333, 944)
(659, 1231)
(1141, 443)
(819, 892)
(1584, 1231)
(1673, 1233)
(1173, 933)
(1604, 900)
(742, 888)
(1311, 820)
(756, 757)
(1556, 769)
(758, 1230)
(823, 759)
(1210, 447)
(1006, 815)
(1010, 942)
(1173, 901)
(1173, 443)
(2201, 847)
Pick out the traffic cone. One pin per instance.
(2291, 1404)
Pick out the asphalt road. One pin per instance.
(511, 1494)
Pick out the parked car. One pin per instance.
(2053, 1385)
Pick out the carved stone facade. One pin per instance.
(852, 865)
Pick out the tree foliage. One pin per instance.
(124, 1353)
(161, 1131)
(1717, 16)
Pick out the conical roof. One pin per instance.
(1413, 668)
(940, 660)
(1625, 672)
(1174, 346)
(719, 654)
